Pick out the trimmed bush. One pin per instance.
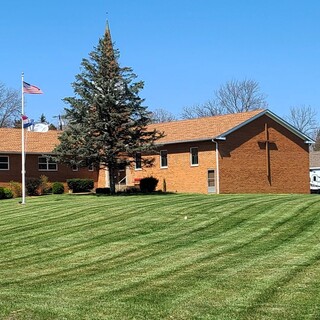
(103, 191)
(80, 185)
(2, 194)
(32, 186)
(57, 188)
(5, 193)
(16, 188)
(148, 184)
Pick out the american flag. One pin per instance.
(29, 88)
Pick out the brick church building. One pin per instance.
(251, 152)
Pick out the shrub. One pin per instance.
(45, 186)
(132, 190)
(148, 184)
(32, 186)
(103, 191)
(16, 188)
(2, 194)
(5, 193)
(80, 185)
(8, 194)
(57, 188)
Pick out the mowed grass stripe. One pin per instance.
(145, 250)
(104, 231)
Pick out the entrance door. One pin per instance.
(120, 175)
(211, 181)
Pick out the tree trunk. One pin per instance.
(112, 180)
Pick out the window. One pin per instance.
(47, 164)
(91, 167)
(75, 167)
(138, 160)
(4, 163)
(163, 158)
(194, 156)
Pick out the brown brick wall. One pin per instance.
(180, 176)
(63, 173)
(243, 162)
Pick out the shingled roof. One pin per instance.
(35, 142)
(199, 129)
(217, 127)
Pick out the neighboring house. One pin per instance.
(252, 152)
(315, 171)
(38, 146)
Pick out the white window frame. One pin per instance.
(8, 163)
(75, 167)
(161, 157)
(47, 163)
(191, 157)
(90, 167)
(138, 159)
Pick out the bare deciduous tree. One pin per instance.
(304, 118)
(208, 109)
(162, 115)
(10, 103)
(240, 96)
(316, 146)
(232, 97)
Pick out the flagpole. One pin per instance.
(23, 160)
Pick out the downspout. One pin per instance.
(217, 166)
(215, 140)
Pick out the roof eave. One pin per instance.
(183, 141)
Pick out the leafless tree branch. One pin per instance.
(10, 103)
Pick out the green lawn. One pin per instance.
(160, 257)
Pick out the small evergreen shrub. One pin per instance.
(2, 194)
(5, 193)
(16, 188)
(148, 184)
(8, 194)
(32, 186)
(80, 185)
(57, 188)
(102, 190)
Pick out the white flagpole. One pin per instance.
(23, 160)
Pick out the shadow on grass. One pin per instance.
(126, 194)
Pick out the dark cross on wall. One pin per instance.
(268, 145)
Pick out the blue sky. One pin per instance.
(182, 49)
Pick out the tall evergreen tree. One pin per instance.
(42, 118)
(107, 121)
